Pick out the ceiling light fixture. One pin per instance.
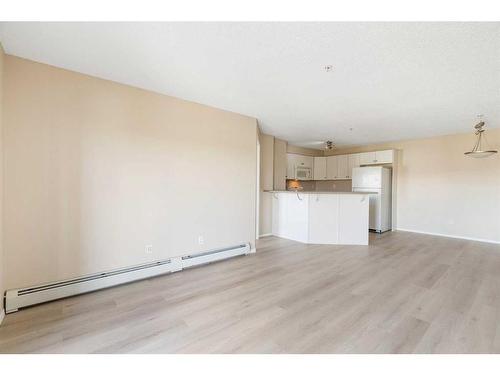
(477, 150)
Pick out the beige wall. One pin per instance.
(95, 171)
(2, 57)
(266, 161)
(279, 164)
(291, 149)
(266, 182)
(439, 190)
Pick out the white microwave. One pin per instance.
(303, 173)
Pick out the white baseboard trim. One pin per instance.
(265, 235)
(448, 235)
(2, 315)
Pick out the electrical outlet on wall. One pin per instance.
(148, 249)
(201, 240)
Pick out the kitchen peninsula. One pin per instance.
(321, 217)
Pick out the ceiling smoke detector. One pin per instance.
(329, 145)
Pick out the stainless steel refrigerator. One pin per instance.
(376, 181)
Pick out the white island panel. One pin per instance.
(321, 218)
(354, 219)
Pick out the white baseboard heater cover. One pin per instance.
(18, 298)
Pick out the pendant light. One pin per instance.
(477, 150)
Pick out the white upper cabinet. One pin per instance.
(336, 167)
(385, 156)
(296, 160)
(342, 167)
(331, 168)
(304, 161)
(319, 168)
(290, 165)
(353, 162)
(367, 158)
(376, 157)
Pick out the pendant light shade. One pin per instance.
(477, 150)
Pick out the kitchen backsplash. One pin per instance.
(337, 185)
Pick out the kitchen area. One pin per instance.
(319, 198)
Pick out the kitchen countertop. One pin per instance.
(314, 192)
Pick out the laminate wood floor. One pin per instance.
(404, 293)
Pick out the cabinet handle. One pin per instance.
(375, 161)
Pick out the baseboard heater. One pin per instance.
(19, 298)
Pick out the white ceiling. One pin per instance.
(390, 81)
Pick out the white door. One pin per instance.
(331, 167)
(342, 166)
(319, 168)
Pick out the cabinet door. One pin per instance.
(353, 162)
(331, 167)
(367, 158)
(342, 167)
(383, 157)
(308, 161)
(303, 160)
(319, 168)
